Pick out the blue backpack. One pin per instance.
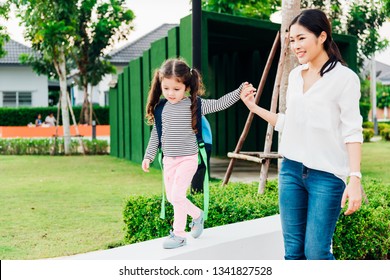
(202, 152)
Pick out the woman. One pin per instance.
(321, 139)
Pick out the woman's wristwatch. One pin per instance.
(356, 174)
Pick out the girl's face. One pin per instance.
(173, 90)
(305, 45)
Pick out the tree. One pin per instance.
(99, 22)
(4, 37)
(361, 18)
(50, 27)
(261, 9)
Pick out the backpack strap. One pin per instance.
(202, 156)
(158, 121)
(158, 118)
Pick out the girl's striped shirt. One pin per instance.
(178, 138)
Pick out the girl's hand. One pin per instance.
(354, 195)
(145, 165)
(248, 95)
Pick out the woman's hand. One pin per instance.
(353, 193)
(248, 95)
(145, 165)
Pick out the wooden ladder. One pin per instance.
(261, 157)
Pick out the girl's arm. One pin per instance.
(215, 105)
(353, 190)
(248, 97)
(151, 150)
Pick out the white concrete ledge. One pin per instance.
(259, 239)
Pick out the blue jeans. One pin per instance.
(309, 202)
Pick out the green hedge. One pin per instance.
(23, 116)
(230, 204)
(363, 235)
(368, 133)
(364, 110)
(24, 146)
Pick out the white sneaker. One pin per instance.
(173, 241)
(197, 225)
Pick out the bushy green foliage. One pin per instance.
(366, 233)
(230, 204)
(24, 146)
(385, 133)
(24, 116)
(368, 125)
(363, 235)
(368, 133)
(364, 110)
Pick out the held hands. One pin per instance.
(248, 95)
(354, 194)
(145, 165)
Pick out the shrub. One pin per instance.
(363, 235)
(23, 116)
(230, 204)
(382, 126)
(25, 146)
(364, 110)
(368, 133)
(385, 133)
(368, 125)
(366, 233)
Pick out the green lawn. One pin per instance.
(376, 160)
(57, 206)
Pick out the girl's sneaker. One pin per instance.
(173, 241)
(197, 226)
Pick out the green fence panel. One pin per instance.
(232, 112)
(127, 114)
(158, 53)
(221, 116)
(136, 110)
(173, 42)
(113, 95)
(146, 77)
(186, 39)
(121, 128)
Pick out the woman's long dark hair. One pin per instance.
(175, 68)
(316, 21)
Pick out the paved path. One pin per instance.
(243, 170)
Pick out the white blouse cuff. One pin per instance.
(280, 122)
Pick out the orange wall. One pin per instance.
(45, 132)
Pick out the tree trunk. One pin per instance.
(290, 9)
(64, 103)
(84, 115)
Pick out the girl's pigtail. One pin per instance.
(153, 97)
(196, 89)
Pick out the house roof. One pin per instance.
(14, 49)
(135, 49)
(382, 70)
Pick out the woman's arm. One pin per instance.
(248, 97)
(353, 190)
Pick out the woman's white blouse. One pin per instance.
(317, 124)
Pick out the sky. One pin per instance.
(150, 14)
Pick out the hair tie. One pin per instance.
(191, 71)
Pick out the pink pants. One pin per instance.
(178, 173)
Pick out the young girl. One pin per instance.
(321, 139)
(180, 85)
